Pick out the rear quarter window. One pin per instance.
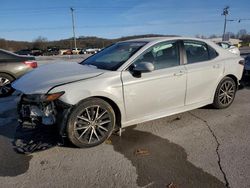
(212, 52)
(196, 51)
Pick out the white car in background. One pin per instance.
(92, 50)
(231, 48)
(128, 83)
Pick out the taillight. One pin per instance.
(31, 64)
(242, 62)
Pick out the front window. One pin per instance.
(112, 57)
(162, 55)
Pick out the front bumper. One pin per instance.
(33, 113)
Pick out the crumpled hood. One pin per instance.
(43, 78)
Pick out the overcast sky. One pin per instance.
(28, 19)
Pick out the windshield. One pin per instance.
(112, 57)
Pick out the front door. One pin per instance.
(158, 91)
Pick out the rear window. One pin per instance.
(5, 55)
(197, 51)
(212, 53)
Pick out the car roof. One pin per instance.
(154, 40)
(5, 51)
(159, 39)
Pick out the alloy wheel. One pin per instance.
(5, 87)
(227, 92)
(92, 124)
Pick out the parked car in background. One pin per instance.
(13, 66)
(92, 50)
(229, 47)
(31, 52)
(83, 51)
(37, 52)
(51, 51)
(24, 52)
(65, 52)
(76, 50)
(128, 83)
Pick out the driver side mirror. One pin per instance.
(142, 67)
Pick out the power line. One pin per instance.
(112, 25)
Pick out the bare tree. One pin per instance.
(242, 33)
(40, 43)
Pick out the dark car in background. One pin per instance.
(24, 52)
(247, 66)
(51, 51)
(30, 52)
(13, 66)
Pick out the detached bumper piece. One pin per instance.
(38, 125)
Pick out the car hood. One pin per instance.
(43, 78)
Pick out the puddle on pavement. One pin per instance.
(161, 162)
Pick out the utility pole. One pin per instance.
(73, 24)
(225, 13)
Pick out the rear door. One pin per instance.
(204, 71)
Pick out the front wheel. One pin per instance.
(90, 123)
(5, 85)
(225, 93)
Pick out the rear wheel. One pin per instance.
(91, 123)
(5, 85)
(225, 93)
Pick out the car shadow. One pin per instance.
(245, 82)
(15, 142)
(12, 163)
(159, 162)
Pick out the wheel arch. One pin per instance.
(235, 79)
(9, 74)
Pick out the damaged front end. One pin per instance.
(42, 110)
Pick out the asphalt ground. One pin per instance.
(201, 148)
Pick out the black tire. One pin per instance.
(6, 90)
(90, 123)
(225, 93)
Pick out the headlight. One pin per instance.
(43, 97)
(53, 96)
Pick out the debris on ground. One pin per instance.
(30, 140)
(175, 119)
(172, 185)
(108, 141)
(141, 152)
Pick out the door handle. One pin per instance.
(217, 66)
(180, 73)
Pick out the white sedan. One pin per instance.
(127, 83)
